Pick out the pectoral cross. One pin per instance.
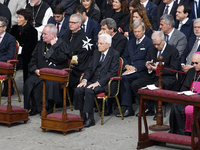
(34, 23)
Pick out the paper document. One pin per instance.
(150, 87)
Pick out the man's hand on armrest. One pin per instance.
(37, 71)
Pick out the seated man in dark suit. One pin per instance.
(7, 48)
(192, 47)
(60, 20)
(119, 41)
(170, 60)
(135, 56)
(184, 23)
(49, 53)
(90, 26)
(103, 66)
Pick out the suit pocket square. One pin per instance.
(142, 49)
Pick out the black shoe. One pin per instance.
(147, 113)
(89, 122)
(108, 111)
(126, 113)
(155, 117)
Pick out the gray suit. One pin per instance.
(179, 40)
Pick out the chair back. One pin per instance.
(121, 62)
(16, 57)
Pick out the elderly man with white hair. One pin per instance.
(103, 66)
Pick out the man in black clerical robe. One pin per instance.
(81, 47)
(49, 53)
(191, 82)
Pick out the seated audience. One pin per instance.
(90, 26)
(60, 20)
(26, 35)
(81, 49)
(139, 15)
(192, 47)
(173, 36)
(135, 57)
(191, 83)
(103, 66)
(170, 60)
(109, 26)
(183, 23)
(7, 49)
(49, 53)
(91, 12)
(119, 13)
(41, 14)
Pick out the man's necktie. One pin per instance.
(166, 9)
(194, 49)
(83, 27)
(58, 29)
(167, 38)
(6, 2)
(159, 54)
(102, 58)
(138, 41)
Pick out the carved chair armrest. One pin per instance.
(67, 69)
(13, 61)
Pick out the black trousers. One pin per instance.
(84, 98)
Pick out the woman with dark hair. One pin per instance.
(119, 13)
(91, 12)
(26, 36)
(141, 15)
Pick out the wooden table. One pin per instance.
(145, 139)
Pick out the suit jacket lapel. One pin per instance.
(106, 58)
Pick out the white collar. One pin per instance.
(145, 3)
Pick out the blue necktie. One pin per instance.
(102, 58)
(167, 38)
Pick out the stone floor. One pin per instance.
(115, 134)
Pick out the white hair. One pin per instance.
(108, 38)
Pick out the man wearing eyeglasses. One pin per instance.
(170, 60)
(7, 48)
(81, 49)
(192, 47)
(191, 83)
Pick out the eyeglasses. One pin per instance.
(1, 26)
(72, 22)
(196, 63)
(157, 44)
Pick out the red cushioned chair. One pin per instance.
(10, 114)
(103, 96)
(64, 121)
(4, 77)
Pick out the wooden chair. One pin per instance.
(64, 121)
(69, 70)
(104, 96)
(9, 114)
(4, 77)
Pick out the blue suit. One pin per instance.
(188, 49)
(151, 9)
(135, 55)
(7, 47)
(187, 28)
(93, 29)
(65, 26)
